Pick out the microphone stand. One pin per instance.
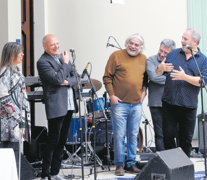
(201, 81)
(107, 45)
(93, 89)
(20, 132)
(80, 120)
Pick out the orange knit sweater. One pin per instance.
(124, 76)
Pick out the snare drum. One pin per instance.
(74, 131)
(97, 108)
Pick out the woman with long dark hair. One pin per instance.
(14, 107)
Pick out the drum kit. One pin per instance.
(104, 133)
(74, 130)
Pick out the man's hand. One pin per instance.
(114, 99)
(165, 66)
(143, 96)
(65, 57)
(178, 75)
(65, 83)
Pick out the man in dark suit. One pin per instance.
(58, 78)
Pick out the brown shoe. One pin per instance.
(132, 169)
(119, 170)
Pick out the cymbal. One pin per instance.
(97, 84)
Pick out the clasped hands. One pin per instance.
(175, 74)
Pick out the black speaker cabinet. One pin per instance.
(168, 165)
(34, 151)
(200, 133)
(27, 171)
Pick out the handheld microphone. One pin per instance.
(107, 45)
(84, 71)
(72, 50)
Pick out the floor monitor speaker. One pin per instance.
(168, 165)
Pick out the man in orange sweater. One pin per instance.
(126, 82)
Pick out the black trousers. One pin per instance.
(53, 152)
(185, 118)
(156, 113)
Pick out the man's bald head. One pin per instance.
(51, 44)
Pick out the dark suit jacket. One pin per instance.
(52, 75)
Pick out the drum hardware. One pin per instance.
(109, 162)
(145, 148)
(80, 121)
(88, 144)
(70, 156)
(74, 132)
(93, 93)
(66, 165)
(96, 83)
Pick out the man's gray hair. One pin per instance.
(195, 34)
(168, 43)
(139, 37)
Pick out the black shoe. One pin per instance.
(132, 169)
(119, 170)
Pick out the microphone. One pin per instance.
(84, 71)
(110, 45)
(190, 48)
(72, 50)
(107, 45)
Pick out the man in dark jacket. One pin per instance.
(58, 79)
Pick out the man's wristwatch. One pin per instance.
(158, 69)
(144, 91)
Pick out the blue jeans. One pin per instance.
(125, 117)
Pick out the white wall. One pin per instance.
(40, 29)
(86, 26)
(4, 23)
(14, 20)
(10, 13)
